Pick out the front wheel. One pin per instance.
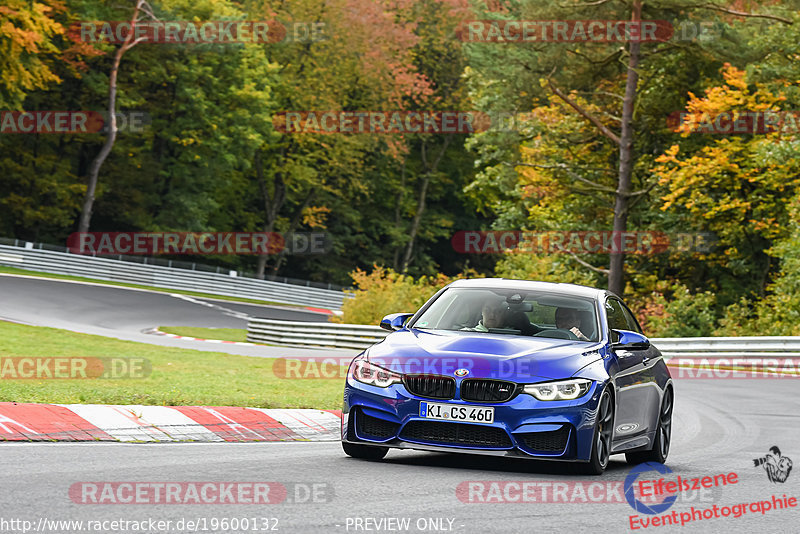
(603, 432)
(365, 452)
(660, 449)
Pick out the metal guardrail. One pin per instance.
(729, 347)
(228, 284)
(345, 336)
(363, 336)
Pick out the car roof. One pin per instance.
(531, 285)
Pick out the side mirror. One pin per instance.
(627, 340)
(394, 321)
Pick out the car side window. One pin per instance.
(633, 324)
(616, 315)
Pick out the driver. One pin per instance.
(494, 314)
(569, 319)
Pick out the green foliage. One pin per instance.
(558, 268)
(212, 160)
(384, 291)
(778, 313)
(680, 313)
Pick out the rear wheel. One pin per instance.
(365, 452)
(660, 449)
(603, 431)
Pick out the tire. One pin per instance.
(603, 433)
(364, 452)
(661, 443)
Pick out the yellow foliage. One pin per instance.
(384, 291)
(26, 32)
(315, 216)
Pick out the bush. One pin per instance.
(383, 291)
(679, 313)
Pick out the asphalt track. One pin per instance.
(126, 313)
(720, 426)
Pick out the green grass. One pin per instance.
(225, 334)
(14, 270)
(178, 377)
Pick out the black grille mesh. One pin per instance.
(456, 434)
(487, 390)
(369, 426)
(554, 441)
(431, 386)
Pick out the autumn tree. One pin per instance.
(612, 100)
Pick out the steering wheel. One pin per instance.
(557, 333)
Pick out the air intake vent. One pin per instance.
(555, 441)
(373, 427)
(456, 434)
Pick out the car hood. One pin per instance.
(482, 355)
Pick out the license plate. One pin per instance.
(456, 412)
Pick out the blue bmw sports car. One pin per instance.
(512, 368)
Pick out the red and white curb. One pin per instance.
(326, 311)
(138, 423)
(158, 332)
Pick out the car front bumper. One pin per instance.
(523, 427)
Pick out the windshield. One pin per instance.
(513, 312)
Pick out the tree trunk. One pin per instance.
(295, 222)
(415, 223)
(272, 206)
(97, 162)
(398, 214)
(616, 275)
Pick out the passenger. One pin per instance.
(570, 319)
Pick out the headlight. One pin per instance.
(563, 390)
(371, 374)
